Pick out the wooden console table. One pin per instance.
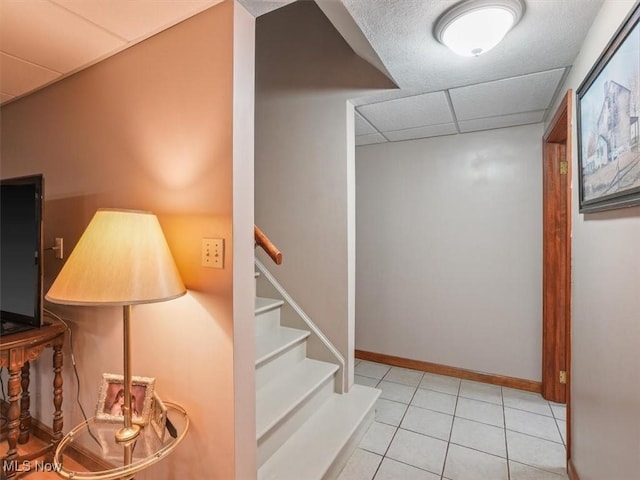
(16, 351)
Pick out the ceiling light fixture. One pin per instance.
(474, 27)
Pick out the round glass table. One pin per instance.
(95, 440)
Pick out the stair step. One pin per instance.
(267, 371)
(281, 396)
(299, 409)
(267, 314)
(266, 304)
(273, 342)
(312, 450)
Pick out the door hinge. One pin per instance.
(563, 377)
(564, 167)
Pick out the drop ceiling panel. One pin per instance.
(524, 93)
(363, 127)
(383, 96)
(500, 122)
(19, 77)
(422, 132)
(408, 112)
(50, 36)
(133, 20)
(369, 139)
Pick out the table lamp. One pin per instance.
(121, 259)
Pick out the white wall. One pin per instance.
(305, 74)
(243, 243)
(449, 250)
(605, 378)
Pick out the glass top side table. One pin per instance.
(96, 440)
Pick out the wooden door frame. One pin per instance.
(556, 347)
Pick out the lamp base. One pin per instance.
(127, 434)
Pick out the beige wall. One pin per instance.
(449, 242)
(605, 386)
(154, 128)
(305, 74)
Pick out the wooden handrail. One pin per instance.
(263, 241)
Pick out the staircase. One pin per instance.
(304, 429)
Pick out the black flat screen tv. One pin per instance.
(21, 269)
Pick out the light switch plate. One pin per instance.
(213, 252)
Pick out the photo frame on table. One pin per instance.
(158, 417)
(111, 398)
(608, 110)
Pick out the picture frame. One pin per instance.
(111, 398)
(158, 419)
(608, 111)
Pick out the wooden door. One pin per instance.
(556, 342)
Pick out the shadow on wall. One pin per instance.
(306, 52)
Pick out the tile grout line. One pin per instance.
(394, 434)
(556, 419)
(384, 455)
(535, 437)
(453, 421)
(506, 444)
(374, 420)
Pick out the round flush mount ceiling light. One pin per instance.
(474, 27)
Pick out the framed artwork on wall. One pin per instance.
(608, 109)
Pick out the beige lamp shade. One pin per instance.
(122, 258)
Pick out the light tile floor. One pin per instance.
(432, 427)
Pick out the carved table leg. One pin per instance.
(25, 403)
(57, 398)
(13, 416)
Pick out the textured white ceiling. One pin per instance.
(363, 127)
(513, 84)
(548, 36)
(408, 112)
(503, 97)
(439, 92)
